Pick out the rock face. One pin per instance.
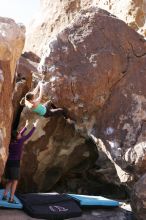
(132, 12)
(139, 198)
(54, 16)
(11, 45)
(25, 69)
(43, 26)
(53, 150)
(96, 68)
(31, 56)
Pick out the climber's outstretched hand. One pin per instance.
(26, 123)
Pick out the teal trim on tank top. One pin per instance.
(40, 109)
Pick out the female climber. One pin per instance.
(12, 168)
(47, 109)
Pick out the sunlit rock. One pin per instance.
(132, 12)
(53, 16)
(11, 45)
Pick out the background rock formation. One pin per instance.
(54, 16)
(132, 12)
(11, 45)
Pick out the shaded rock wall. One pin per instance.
(11, 45)
(138, 198)
(25, 69)
(53, 150)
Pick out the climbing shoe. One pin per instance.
(4, 198)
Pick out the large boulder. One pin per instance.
(96, 68)
(11, 45)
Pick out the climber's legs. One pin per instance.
(52, 110)
(49, 104)
(7, 189)
(13, 190)
(56, 112)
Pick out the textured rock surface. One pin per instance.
(11, 45)
(97, 72)
(54, 16)
(139, 198)
(51, 18)
(31, 56)
(25, 70)
(53, 150)
(106, 99)
(96, 68)
(132, 12)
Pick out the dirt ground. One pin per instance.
(123, 213)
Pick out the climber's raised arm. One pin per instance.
(40, 94)
(36, 89)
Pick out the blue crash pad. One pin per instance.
(6, 204)
(86, 200)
